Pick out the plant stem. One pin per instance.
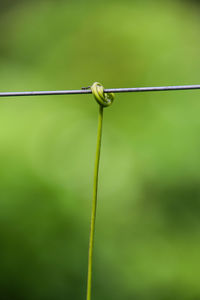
(94, 203)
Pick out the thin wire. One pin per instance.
(88, 91)
(94, 203)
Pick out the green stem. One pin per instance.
(94, 204)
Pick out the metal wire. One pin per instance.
(88, 91)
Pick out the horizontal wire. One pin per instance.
(88, 91)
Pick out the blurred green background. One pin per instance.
(148, 220)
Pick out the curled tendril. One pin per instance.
(103, 99)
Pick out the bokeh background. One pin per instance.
(148, 220)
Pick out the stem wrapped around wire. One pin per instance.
(104, 100)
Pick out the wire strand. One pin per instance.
(114, 90)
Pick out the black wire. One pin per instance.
(88, 91)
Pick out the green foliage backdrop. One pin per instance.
(148, 221)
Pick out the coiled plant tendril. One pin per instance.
(104, 100)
